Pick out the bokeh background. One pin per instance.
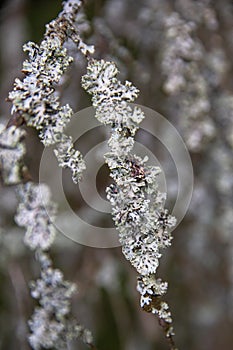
(179, 54)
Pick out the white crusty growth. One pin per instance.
(34, 98)
(51, 324)
(36, 212)
(12, 151)
(137, 205)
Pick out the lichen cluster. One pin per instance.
(51, 324)
(182, 67)
(35, 99)
(12, 151)
(138, 211)
(137, 204)
(36, 104)
(36, 213)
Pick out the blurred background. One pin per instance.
(179, 54)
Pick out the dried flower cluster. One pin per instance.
(137, 205)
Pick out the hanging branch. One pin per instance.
(36, 104)
(137, 204)
(51, 324)
(34, 98)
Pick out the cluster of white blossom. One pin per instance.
(137, 205)
(34, 98)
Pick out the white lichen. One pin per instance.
(51, 324)
(12, 151)
(34, 98)
(137, 205)
(36, 213)
(182, 66)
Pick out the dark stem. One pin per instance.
(170, 339)
(15, 120)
